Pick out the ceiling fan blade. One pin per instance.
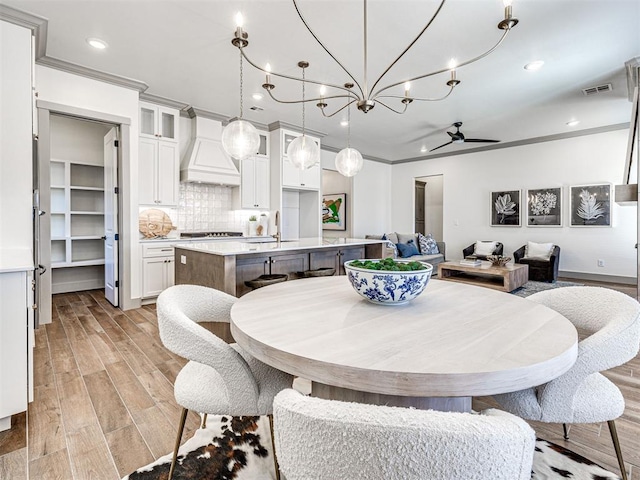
(452, 135)
(443, 145)
(480, 140)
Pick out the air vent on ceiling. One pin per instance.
(597, 89)
(256, 108)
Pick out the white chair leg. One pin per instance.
(616, 446)
(183, 419)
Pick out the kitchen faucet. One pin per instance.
(278, 235)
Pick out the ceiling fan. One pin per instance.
(458, 137)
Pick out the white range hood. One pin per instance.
(205, 160)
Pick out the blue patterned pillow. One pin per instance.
(390, 244)
(408, 249)
(428, 245)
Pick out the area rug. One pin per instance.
(532, 287)
(240, 448)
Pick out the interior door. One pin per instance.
(111, 216)
(419, 207)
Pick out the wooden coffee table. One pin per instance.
(506, 278)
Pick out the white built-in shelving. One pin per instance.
(77, 214)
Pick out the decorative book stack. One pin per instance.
(471, 262)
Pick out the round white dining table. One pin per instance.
(451, 343)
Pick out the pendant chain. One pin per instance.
(349, 126)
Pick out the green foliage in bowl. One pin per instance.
(388, 264)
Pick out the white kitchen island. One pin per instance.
(16, 332)
(226, 266)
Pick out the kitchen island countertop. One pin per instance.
(240, 248)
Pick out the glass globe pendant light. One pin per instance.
(240, 139)
(349, 160)
(303, 152)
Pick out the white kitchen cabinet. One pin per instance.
(16, 344)
(254, 185)
(292, 176)
(158, 269)
(158, 122)
(158, 173)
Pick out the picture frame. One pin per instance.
(505, 208)
(334, 211)
(590, 205)
(544, 207)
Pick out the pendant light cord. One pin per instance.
(303, 85)
(241, 80)
(349, 125)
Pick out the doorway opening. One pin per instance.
(428, 206)
(77, 179)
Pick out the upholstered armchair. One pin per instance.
(540, 270)
(471, 249)
(328, 439)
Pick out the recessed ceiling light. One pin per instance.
(423, 149)
(97, 43)
(344, 123)
(573, 123)
(257, 96)
(533, 66)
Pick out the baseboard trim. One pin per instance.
(77, 286)
(595, 277)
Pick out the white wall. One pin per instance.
(73, 90)
(333, 182)
(15, 137)
(470, 179)
(433, 218)
(369, 205)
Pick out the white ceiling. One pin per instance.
(182, 50)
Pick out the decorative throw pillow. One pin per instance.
(538, 250)
(392, 245)
(428, 245)
(408, 249)
(484, 248)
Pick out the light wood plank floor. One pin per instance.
(104, 400)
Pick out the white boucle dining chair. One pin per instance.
(220, 378)
(583, 395)
(319, 439)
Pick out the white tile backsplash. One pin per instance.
(204, 207)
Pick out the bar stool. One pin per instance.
(266, 280)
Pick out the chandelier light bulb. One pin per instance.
(407, 87)
(507, 3)
(349, 161)
(453, 64)
(240, 139)
(303, 152)
(267, 67)
(323, 90)
(239, 20)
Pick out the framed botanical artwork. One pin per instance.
(505, 208)
(590, 205)
(544, 207)
(334, 211)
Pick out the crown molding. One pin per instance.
(193, 112)
(76, 69)
(329, 148)
(158, 100)
(519, 143)
(289, 126)
(38, 26)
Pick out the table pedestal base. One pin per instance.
(444, 404)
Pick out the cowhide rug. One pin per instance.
(239, 448)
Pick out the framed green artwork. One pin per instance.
(334, 211)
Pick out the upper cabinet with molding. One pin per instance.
(255, 179)
(292, 176)
(159, 156)
(159, 122)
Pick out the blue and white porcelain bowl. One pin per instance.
(384, 287)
